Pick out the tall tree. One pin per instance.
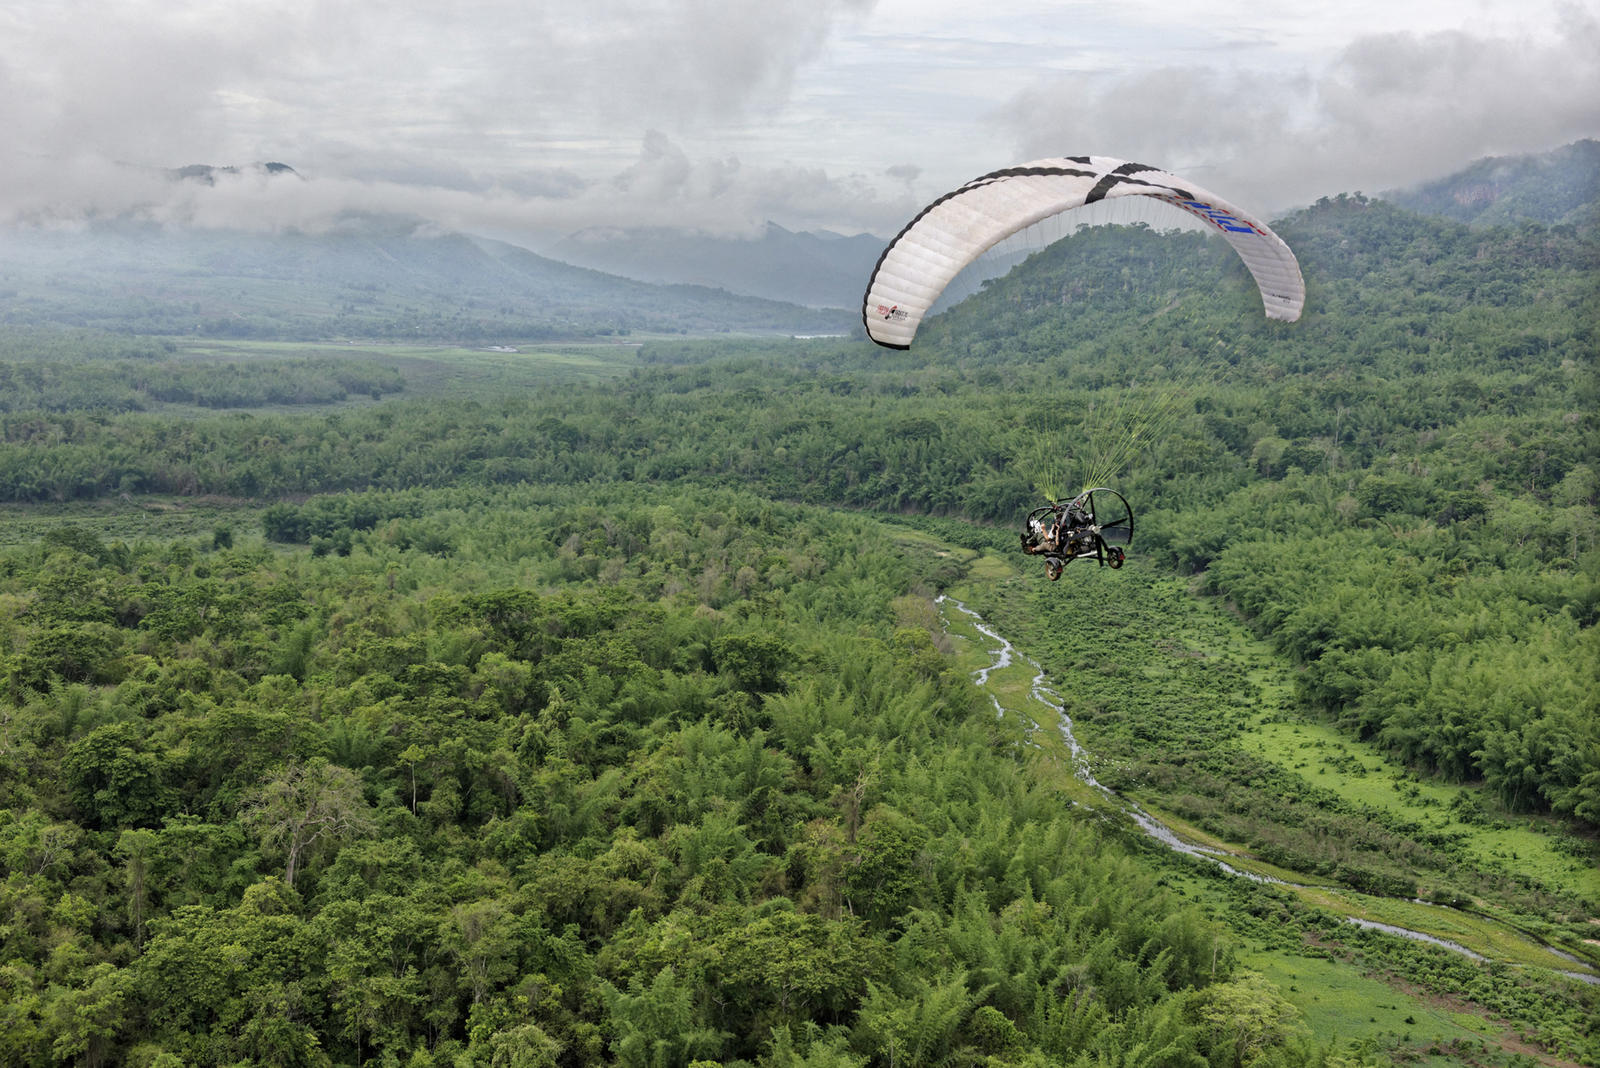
(308, 807)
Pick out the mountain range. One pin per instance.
(381, 276)
(818, 268)
(828, 269)
(369, 276)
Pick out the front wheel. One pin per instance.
(1116, 557)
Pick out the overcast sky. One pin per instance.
(528, 119)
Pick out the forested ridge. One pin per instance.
(521, 738)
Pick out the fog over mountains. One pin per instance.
(820, 269)
(393, 277)
(1553, 188)
(367, 276)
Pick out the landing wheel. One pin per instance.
(1052, 568)
(1115, 557)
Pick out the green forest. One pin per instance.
(583, 703)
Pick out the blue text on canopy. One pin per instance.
(1218, 216)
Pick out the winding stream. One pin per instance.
(1005, 654)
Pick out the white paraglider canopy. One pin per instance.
(958, 227)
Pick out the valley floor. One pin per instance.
(1348, 995)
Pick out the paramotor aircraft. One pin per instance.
(1097, 524)
(960, 226)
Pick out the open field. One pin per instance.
(1359, 773)
(148, 518)
(432, 369)
(1343, 1008)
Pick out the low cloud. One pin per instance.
(663, 186)
(465, 111)
(531, 122)
(1389, 111)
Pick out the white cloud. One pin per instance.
(524, 118)
(528, 121)
(1386, 111)
(154, 82)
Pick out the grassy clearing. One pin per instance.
(465, 369)
(913, 539)
(1344, 1009)
(148, 519)
(1481, 934)
(435, 369)
(990, 568)
(1357, 772)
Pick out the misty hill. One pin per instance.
(370, 276)
(206, 174)
(820, 269)
(1558, 186)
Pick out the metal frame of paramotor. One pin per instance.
(1096, 524)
